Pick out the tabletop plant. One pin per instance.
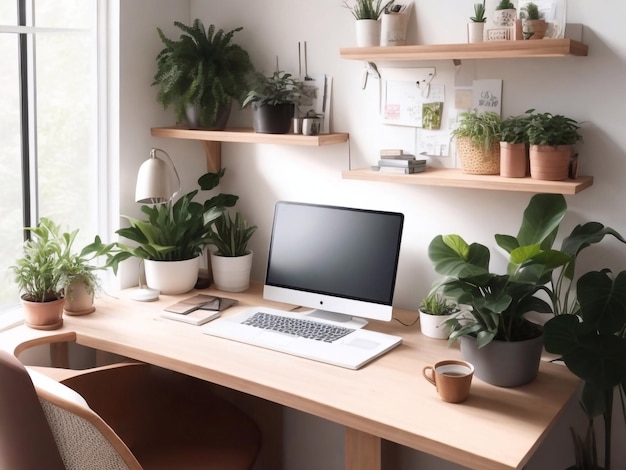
(231, 236)
(204, 70)
(367, 9)
(552, 129)
(513, 129)
(479, 13)
(505, 5)
(482, 128)
(499, 301)
(530, 11)
(436, 304)
(279, 88)
(174, 231)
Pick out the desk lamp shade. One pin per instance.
(154, 182)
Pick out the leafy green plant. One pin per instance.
(479, 13)
(204, 68)
(592, 344)
(499, 301)
(530, 11)
(367, 9)
(552, 129)
(230, 236)
(49, 262)
(505, 5)
(482, 128)
(513, 128)
(174, 231)
(436, 304)
(280, 88)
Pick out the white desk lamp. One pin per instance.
(153, 187)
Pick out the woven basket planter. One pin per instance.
(475, 160)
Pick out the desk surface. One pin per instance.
(496, 428)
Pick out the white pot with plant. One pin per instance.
(367, 14)
(173, 237)
(476, 26)
(231, 261)
(434, 311)
(505, 14)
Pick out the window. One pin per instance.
(49, 123)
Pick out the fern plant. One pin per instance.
(204, 69)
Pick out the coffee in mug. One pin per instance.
(452, 379)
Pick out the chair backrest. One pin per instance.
(78, 437)
(26, 441)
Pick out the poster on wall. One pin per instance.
(487, 95)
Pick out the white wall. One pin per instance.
(588, 89)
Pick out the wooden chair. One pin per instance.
(129, 415)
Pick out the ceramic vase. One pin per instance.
(432, 325)
(475, 32)
(172, 277)
(367, 33)
(78, 299)
(231, 273)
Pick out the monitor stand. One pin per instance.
(340, 319)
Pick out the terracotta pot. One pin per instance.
(550, 163)
(513, 160)
(43, 315)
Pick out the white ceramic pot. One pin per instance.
(475, 32)
(367, 33)
(231, 273)
(172, 277)
(431, 325)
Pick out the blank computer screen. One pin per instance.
(351, 253)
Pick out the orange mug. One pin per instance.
(452, 379)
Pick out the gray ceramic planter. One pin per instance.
(504, 364)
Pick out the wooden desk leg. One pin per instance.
(362, 451)
(59, 355)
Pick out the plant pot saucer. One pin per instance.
(77, 313)
(53, 326)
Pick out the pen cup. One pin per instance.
(452, 379)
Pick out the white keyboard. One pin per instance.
(302, 336)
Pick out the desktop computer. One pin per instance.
(339, 262)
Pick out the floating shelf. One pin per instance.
(480, 50)
(456, 178)
(212, 140)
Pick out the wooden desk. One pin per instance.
(496, 428)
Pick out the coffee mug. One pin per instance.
(452, 379)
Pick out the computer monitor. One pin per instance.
(338, 260)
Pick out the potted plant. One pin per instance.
(201, 74)
(272, 100)
(551, 138)
(499, 302)
(367, 13)
(592, 344)
(231, 261)
(476, 26)
(514, 146)
(505, 14)
(434, 311)
(172, 239)
(477, 142)
(533, 24)
(39, 275)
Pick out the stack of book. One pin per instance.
(396, 161)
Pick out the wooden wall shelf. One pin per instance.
(456, 178)
(211, 140)
(481, 50)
